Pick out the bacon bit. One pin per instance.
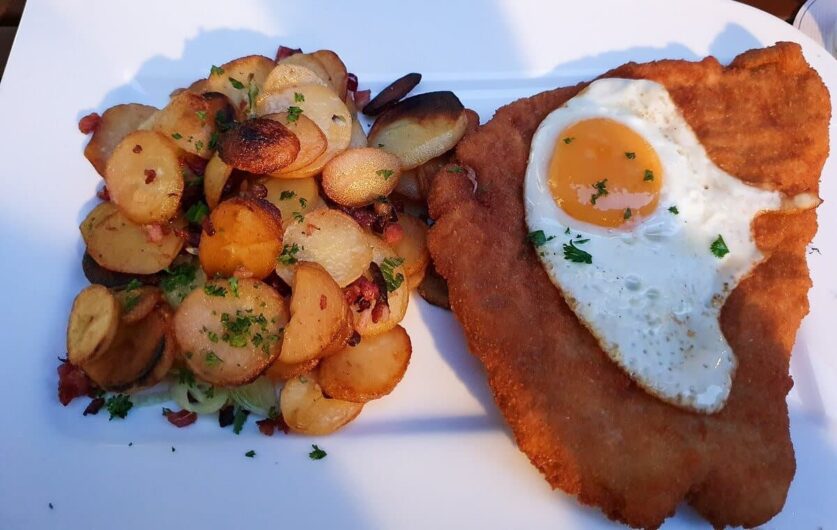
(196, 164)
(255, 190)
(362, 97)
(72, 383)
(364, 216)
(181, 418)
(242, 273)
(380, 312)
(94, 406)
(192, 239)
(137, 149)
(89, 123)
(226, 416)
(153, 233)
(393, 233)
(380, 283)
(323, 302)
(278, 283)
(351, 82)
(361, 292)
(103, 194)
(266, 426)
(208, 227)
(284, 52)
(150, 175)
(354, 340)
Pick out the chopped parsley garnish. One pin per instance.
(719, 247)
(567, 231)
(538, 238)
(198, 146)
(392, 279)
(214, 290)
(303, 202)
(299, 98)
(211, 359)
(575, 254)
(216, 70)
(201, 114)
(627, 214)
(601, 191)
(250, 454)
(131, 301)
(179, 276)
(293, 113)
(648, 176)
(674, 210)
(176, 135)
(237, 330)
(213, 140)
(238, 85)
(630, 155)
(212, 336)
(298, 217)
(234, 286)
(455, 169)
(386, 173)
(185, 377)
(239, 419)
(197, 212)
(252, 92)
(569, 139)
(317, 453)
(288, 255)
(133, 284)
(285, 195)
(118, 406)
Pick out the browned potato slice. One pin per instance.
(308, 61)
(415, 279)
(144, 178)
(358, 136)
(189, 120)
(338, 77)
(287, 74)
(246, 236)
(369, 370)
(119, 245)
(307, 411)
(357, 177)
(230, 332)
(434, 289)
(138, 303)
(233, 79)
(134, 352)
(95, 273)
(162, 367)
(391, 94)
(117, 122)
(94, 320)
(324, 108)
(215, 177)
(259, 145)
(293, 197)
(420, 127)
(398, 290)
(408, 186)
(312, 141)
(282, 371)
(330, 238)
(413, 246)
(319, 315)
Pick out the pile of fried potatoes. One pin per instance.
(250, 227)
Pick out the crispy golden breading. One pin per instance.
(589, 429)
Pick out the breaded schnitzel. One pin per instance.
(581, 420)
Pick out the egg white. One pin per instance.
(654, 291)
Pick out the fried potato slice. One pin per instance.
(230, 332)
(420, 127)
(408, 186)
(293, 197)
(330, 238)
(137, 303)
(162, 367)
(338, 76)
(308, 61)
(324, 108)
(190, 120)
(94, 320)
(246, 237)
(287, 74)
(415, 279)
(235, 79)
(413, 246)
(357, 177)
(215, 177)
(398, 292)
(259, 145)
(117, 122)
(312, 141)
(392, 94)
(321, 320)
(133, 354)
(369, 370)
(144, 178)
(282, 371)
(117, 244)
(307, 411)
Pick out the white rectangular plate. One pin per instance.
(436, 452)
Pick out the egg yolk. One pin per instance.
(602, 172)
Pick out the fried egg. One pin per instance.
(644, 235)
